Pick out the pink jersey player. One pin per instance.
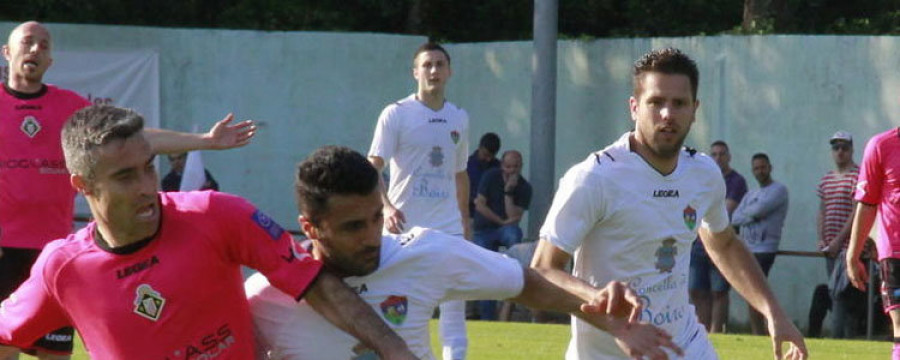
(35, 196)
(176, 295)
(879, 184)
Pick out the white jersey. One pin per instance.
(625, 221)
(418, 270)
(426, 149)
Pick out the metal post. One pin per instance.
(543, 113)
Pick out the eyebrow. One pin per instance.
(131, 169)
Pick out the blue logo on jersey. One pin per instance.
(266, 223)
(665, 256)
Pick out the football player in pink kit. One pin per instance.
(877, 195)
(36, 200)
(157, 275)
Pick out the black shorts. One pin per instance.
(890, 283)
(15, 266)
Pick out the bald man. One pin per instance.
(36, 200)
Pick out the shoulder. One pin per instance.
(59, 253)
(699, 160)
(67, 94)
(419, 240)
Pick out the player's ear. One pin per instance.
(308, 228)
(78, 182)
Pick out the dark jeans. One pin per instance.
(492, 239)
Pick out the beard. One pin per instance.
(667, 150)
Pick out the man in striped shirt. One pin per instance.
(834, 221)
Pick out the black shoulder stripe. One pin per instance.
(597, 157)
(691, 151)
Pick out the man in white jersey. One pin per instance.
(425, 138)
(630, 212)
(405, 276)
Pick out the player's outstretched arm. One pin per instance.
(222, 135)
(614, 309)
(741, 270)
(342, 307)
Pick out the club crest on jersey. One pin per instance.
(690, 217)
(454, 135)
(436, 157)
(665, 256)
(30, 126)
(394, 309)
(148, 302)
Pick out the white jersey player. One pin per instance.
(426, 140)
(418, 270)
(630, 212)
(404, 276)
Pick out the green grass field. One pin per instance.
(503, 341)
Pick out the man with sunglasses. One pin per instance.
(834, 218)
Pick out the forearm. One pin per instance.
(462, 194)
(742, 271)
(820, 223)
(342, 307)
(863, 218)
(167, 141)
(554, 290)
(485, 211)
(513, 212)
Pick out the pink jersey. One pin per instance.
(879, 184)
(178, 295)
(35, 196)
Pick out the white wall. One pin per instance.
(783, 95)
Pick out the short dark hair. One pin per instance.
(332, 170)
(667, 61)
(430, 46)
(720, 143)
(761, 156)
(490, 142)
(91, 128)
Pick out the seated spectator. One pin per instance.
(172, 181)
(503, 196)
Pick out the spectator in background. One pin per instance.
(172, 181)
(760, 216)
(482, 159)
(833, 225)
(708, 288)
(503, 196)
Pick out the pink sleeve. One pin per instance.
(257, 241)
(31, 311)
(871, 176)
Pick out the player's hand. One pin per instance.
(394, 220)
(857, 273)
(641, 340)
(224, 135)
(783, 331)
(832, 250)
(617, 300)
(511, 183)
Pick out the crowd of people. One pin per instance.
(380, 255)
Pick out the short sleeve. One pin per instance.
(32, 311)
(253, 239)
(386, 137)
(462, 147)
(871, 175)
(716, 216)
(472, 272)
(576, 207)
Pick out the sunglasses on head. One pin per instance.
(836, 147)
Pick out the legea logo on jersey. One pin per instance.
(30, 126)
(394, 309)
(148, 302)
(665, 256)
(690, 217)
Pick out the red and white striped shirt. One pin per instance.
(836, 192)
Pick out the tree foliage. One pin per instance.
(482, 20)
